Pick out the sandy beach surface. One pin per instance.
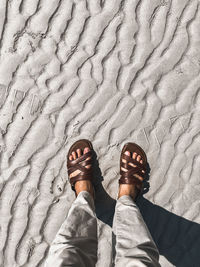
(112, 72)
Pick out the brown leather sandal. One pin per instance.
(129, 177)
(80, 163)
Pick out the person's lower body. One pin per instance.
(76, 242)
(134, 244)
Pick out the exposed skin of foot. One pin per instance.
(85, 185)
(130, 189)
(124, 189)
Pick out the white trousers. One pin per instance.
(76, 241)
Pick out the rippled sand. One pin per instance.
(112, 72)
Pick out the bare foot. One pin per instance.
(84, 185)
(130, 189)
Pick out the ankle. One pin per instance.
(84, 185)
(127, 190)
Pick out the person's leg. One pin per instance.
(134, 244)
(76, 242)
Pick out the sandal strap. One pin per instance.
(82, 158)
(80, 164)
(134, 161)
(132, 180)
(132, 172)
(78, 167)
(129, 177)
(136, 169)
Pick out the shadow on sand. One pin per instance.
(177, 238)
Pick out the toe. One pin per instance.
(141, 161)
(74, 155)
(138, 158)
(86, 149)
(79, 152)
(128, 153)
(70, 157)
(134, 155)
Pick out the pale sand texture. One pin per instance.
(111, 71)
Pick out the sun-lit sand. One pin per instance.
(112, 72)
